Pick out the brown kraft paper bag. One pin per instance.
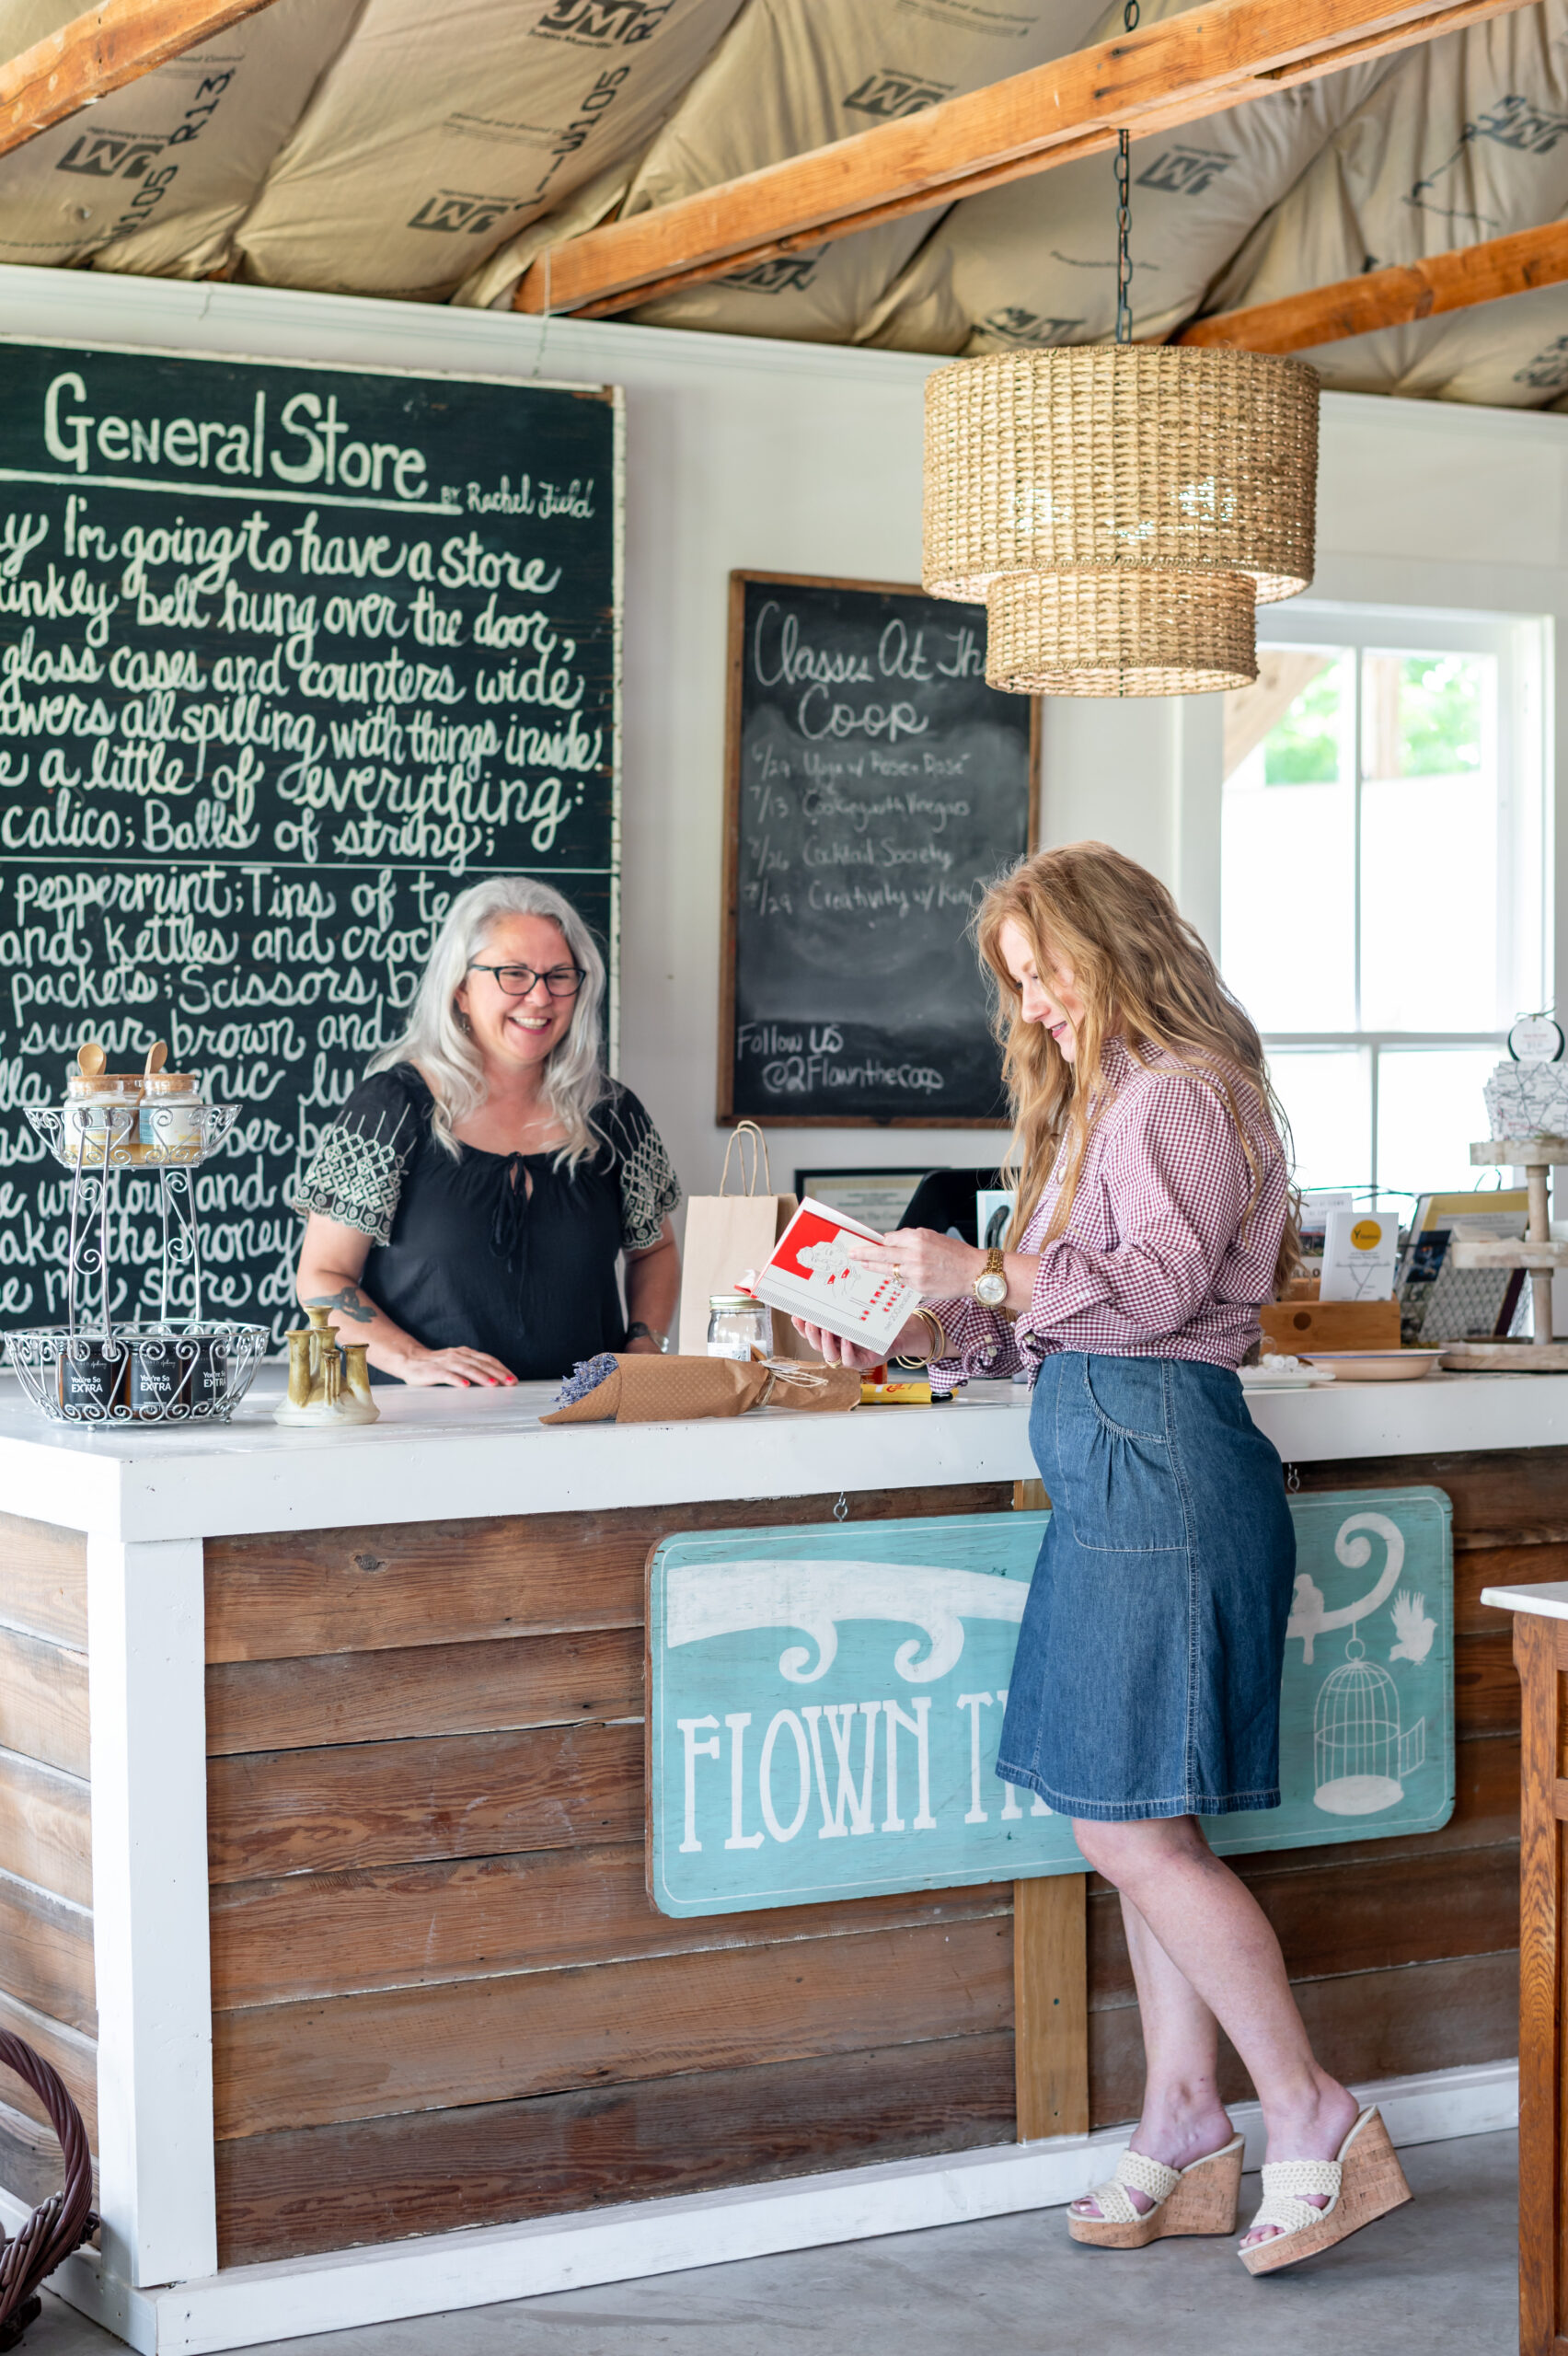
(649, 1390)
(728, 1234)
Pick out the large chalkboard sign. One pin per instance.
(289, 656)
(876, 786)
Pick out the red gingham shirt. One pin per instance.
(1172, 1240)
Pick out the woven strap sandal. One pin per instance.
(1362, 2185)
(1196, 2200)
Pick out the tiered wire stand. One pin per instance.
(1538, 1254)
(180, 1368)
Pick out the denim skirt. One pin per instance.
(1147, 1678)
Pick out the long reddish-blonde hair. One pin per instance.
(1142, 970)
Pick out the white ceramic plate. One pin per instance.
(1375, 1366)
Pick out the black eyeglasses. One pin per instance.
(561, 981)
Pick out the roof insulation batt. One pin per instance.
(1034, 263)
(794, 76)
(440, 131)
(1464, 139)
(153, 179)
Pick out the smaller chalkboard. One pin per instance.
(876, 785)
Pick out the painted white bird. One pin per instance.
(1411, 1626)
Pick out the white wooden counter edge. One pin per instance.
(448, 1455)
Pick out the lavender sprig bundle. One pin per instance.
(585, 1376)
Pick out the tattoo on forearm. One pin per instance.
(348, 1300)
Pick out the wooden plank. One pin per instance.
(1051, 2007)
(44, 1580)
(398, 1926)
(462, 1582)
(1363, 2025)
(326, 2188)
(359, 2057)
(65, 2050)
(421, 1690)
(452, 1795)
(1371, 1917)
(1486, 1689)
(1541, 1984)
(43, 1700)
(100, 51)
(1480, 1566)
(1501, 1496)
(46, 1831)
(1455, 281)
(31, 2170)
(46, 1954)
(1181, 70)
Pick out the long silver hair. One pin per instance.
(435, 1040)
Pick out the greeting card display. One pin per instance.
(811, 1274)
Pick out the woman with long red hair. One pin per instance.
(1153, 1217)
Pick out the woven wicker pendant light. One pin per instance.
(1121, 507)
(1135, 632)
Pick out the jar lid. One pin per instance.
(170, 1083)
(734, 1300)
(123, 1087)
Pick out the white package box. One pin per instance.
(1359, 1252)
(811, 1275)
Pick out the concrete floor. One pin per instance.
(1437, 2278)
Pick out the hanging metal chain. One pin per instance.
(1123, 211)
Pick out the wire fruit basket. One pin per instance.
(176, 1368)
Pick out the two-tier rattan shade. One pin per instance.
(1120, 508)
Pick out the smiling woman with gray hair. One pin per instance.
(466, 1209)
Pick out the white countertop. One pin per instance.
(1548, 1602)
(449, 1455)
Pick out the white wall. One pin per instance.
(800, 458)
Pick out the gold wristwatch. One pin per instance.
(991, 1283)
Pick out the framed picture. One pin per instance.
(877, 1198)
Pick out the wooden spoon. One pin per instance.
(89, 1059)
(157, 1056)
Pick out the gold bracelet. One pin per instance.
(940, 1347)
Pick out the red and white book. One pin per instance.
(811, 1275)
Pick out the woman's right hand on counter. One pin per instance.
(914, 1342)
(455, 1369)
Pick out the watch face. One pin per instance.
(1535, 1039)
(990, 1291)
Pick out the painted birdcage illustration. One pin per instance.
(1360, 1753)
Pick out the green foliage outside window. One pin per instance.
(1304, 748)
(1439, 715)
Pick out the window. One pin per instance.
(1384, 912)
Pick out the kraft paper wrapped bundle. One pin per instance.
(641, 1388)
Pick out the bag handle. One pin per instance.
(752, 1135)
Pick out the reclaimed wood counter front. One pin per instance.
(421, 1987)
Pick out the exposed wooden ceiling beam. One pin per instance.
(1391, 298)
(1212, 57)
(99, 51)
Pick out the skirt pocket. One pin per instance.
(1114, 1463)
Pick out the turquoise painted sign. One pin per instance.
(824, 1703)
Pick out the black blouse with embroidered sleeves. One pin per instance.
(497, 1251)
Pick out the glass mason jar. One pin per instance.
(738, 1326)
(170, 1120)
(101, 1114)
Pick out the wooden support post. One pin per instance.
(1051, 2005)
(1541, 2226)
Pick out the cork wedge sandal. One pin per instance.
(1362, 2185)
(1197, 2200)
